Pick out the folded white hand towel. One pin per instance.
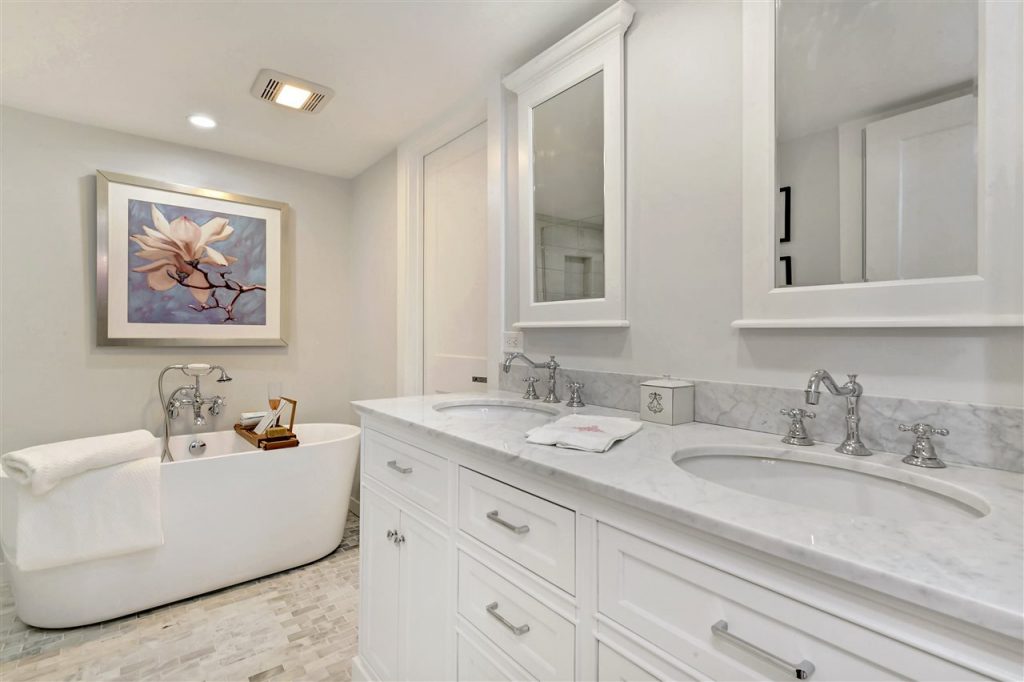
(584, 432)
(251, 418)
(100, 513)
(44, 466)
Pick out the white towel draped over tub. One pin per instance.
(85, 499)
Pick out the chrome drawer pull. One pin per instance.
(802, 670)
(393, 464)
(516, 630)
(518, 530)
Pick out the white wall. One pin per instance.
(683, 225)
(371, 264)
(56, 383)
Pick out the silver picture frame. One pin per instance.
(104, 181)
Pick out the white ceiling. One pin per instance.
(143, 68)
(838, 61)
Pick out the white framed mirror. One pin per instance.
(571, 157)
(882, 178)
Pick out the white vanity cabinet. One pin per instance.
(404, 578)
(499, 574)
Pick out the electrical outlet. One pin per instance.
(512, 342)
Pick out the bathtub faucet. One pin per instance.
(189, 396)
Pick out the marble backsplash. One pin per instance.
(980, 435)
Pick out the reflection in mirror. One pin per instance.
(568, 199)
(876, 137)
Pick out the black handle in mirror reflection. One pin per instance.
(786, 191)
(788, 262)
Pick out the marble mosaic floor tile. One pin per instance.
(300, 624)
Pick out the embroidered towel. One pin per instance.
(584, 432)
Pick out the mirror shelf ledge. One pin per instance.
(966, 322)
(576, 324)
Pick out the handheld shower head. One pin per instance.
(197, 369)
(224, 378)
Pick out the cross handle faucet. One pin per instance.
(551, 366)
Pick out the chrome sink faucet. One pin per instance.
(551, 366)
(190, 395)
(852, 391)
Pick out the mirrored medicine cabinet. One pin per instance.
(882, 164)
(571, 178)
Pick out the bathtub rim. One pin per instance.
(350, 431)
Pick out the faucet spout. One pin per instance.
(551, 366)
(852, 391)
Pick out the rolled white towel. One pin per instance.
(42, 467)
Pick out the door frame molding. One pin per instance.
(486, 107)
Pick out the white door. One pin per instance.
(455, 265)
(921, 192)
(379, 575)
(425, 635)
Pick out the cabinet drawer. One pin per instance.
(673, 602)
(614, 667)
(417, 474)
(536, 533)
(533, 635)
(483, 662)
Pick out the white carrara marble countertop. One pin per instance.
(971, 570)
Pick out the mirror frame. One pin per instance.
(594, 47)
(992, 297)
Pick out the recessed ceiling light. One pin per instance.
(202, 121)
(290, 91)
(291, 96)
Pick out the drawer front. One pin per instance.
(673, 602)
(482, 662)
(614, 667)
(533, 635)
(530, 530)
(417, 474)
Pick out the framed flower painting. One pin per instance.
(186, 266)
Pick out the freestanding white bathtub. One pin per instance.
(230, 515)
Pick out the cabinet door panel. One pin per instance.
(424, 612)
(379, 574)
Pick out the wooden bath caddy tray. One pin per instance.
(275, 437)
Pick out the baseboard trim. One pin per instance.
(360, 671)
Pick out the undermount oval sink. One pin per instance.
(813, 480)
(499, 410)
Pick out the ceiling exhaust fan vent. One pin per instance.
(291, 92)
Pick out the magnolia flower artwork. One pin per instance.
(178, 276)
